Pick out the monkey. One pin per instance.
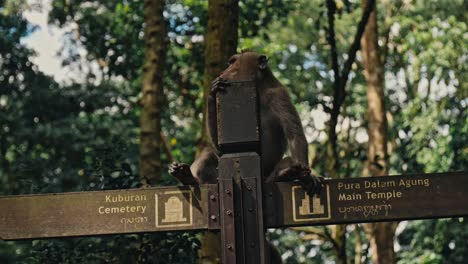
(203, 169)
(281, 128)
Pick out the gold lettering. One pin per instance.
(408, 183)
(348, 186)
(122, 209)
(427, 182)
(349, 197)
(124, 198)
(379, 184)
(384, 195)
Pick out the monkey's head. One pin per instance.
(246, 66)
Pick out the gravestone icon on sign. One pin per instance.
(173, 209)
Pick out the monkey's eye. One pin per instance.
(231, 61)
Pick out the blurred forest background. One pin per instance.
(397, 105)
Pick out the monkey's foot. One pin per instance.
(181, 172)
(218, 85)
(312, 184)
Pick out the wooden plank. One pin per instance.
(368, 199)
(250, 183)
(386, 198)
(227, 214)
(104, 212)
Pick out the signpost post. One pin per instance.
(240, 206)
(240, 183)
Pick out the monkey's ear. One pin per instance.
(262, 62)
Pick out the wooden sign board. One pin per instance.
(356, 200)
(105, 212)
(368, 199)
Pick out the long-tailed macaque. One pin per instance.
(281, 129)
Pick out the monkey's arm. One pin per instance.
(218, 85)
(291, 125)
(298, 165)
(212, 119)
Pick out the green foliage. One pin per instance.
(67, 138)
(258, 14)
(434, 241)
(296, 248)
(113, 36)
(159, 248)
(56, 137)
(427, 128)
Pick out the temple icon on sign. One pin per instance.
(317, 207)
(174, 210)
(306, 208)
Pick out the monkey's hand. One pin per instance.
(218, 85)
(181, 172)
(312, 184)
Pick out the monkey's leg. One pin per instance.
(204, 168)
(286, 171)
(278, 175)
(181, 172)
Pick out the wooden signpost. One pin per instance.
(354, 200)
(240, 206)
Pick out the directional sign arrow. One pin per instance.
(105, 212)
(368, 199)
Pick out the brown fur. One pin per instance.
(281, 129)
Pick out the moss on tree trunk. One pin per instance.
(220, 43)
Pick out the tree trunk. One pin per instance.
(5, 164)
(220, 43)
(358, 248)
(380, 234)
(152, 92)
(339, 237)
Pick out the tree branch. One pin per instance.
(392, 9)
(166, 147)
(331, 10)
(356, 44)
(311, 230)
(330, 237)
